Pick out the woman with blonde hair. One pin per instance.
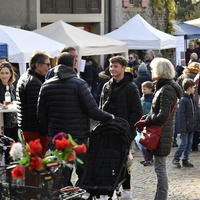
(165, 96)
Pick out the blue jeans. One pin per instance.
(185, 146)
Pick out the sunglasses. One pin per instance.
(5, 64)
(130, 58)
(48, 64)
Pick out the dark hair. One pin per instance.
(94, 62)
(148, 84)
(188, 83)
(4, 57)
(66, 58)
(38, 57)
(119, 59)
(134, 56)
(158, 55)
(198, 43)
(9, 66)
(67, 49)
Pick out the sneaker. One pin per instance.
(125, 195)
(174, 144)
(176, 163)
(104, 197)
(148, 163)
(186, 163)
(142, 162)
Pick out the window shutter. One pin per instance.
(144, 3)
(63, 6)
(95, 6)
(125, 3)
(47, 6)
(80, 6)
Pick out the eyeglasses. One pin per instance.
(48, 64)
(130, 58)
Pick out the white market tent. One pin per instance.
(195, 22)
(21, 44)
(140, 35)
(85, 43)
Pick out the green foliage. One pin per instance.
(167, 9)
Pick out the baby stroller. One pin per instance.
(107, 156)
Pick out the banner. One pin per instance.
(180, 51)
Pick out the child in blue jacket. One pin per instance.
(146, 100)
(187, 121)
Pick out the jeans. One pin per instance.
(175, 134)
(185, 146)
(162, 177)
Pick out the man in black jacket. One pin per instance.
(120, 96)
(28, 88)
(65, 104)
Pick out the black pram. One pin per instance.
(107, 155)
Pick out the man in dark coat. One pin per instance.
(65, 104)
(28, 88)
(120, 96)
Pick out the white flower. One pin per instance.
(16, 151)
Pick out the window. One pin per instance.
(70, 6)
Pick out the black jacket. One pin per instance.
(28, 88)
(65, 104)
(9, 121)
(123, 100)
(187, 117)
(164, 99)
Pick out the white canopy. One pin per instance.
(85, 43)
(139, 34)
(195, 22)
(21, 44)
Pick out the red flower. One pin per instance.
(62, 144)
(80, 148)
(18, 172)
(35, 147)
(71, 156)
(36, 163)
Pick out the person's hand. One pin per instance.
(140, 124)
(4, 106)
(113, 116)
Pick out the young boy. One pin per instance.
(188, 121)
(146, 100)
(120, 96)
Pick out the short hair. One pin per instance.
(188, 83)
(194, 56)
(4, 57)
(67, 49)
(38, 57)
(9, 66)
(191, 43)
(119, 59)
(151, 52)
(158, 55)
(148, 84)
(66, 58)
(162, 68)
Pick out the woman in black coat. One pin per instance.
(165, 96)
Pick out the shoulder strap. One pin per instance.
(170, 113)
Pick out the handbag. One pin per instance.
(151, 134)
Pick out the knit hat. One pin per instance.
(142, 69)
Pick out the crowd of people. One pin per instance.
(59, 99)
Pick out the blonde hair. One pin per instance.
(162, 69)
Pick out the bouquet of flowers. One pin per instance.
(29, 155)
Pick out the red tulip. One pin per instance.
(36, 163)
(18, 172)
(62, 144)
(79, 149)
(35, 147)
(71, 156)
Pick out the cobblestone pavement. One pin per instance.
(184, 183)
